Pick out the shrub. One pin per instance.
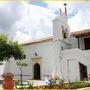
(7, 76)
(30, 85)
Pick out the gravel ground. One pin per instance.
(88, 88)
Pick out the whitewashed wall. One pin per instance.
(73, 57)
(82, 45)
(43, 50)
(74, 42)
(58, 22)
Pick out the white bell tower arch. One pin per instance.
(61, 40)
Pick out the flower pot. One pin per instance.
(8, 84)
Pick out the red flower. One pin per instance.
(7, 76)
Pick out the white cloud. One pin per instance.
(22, 37)
(81, 20)
(24, 21)
(55, 6)
(10, 12)
(78, 12)
(36, 23)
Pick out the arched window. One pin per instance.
(64, 32)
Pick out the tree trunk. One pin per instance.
(21, 78)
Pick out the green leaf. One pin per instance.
(10, 49)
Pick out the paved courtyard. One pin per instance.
(88, 88)
(38, 82)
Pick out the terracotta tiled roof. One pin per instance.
(81, 33)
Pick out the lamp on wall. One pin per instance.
(35, 54)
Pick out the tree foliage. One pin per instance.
(9, 49)
(21, 64)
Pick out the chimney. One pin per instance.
(65, 9)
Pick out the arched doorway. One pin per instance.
(36, 71)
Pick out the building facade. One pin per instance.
(64, 54)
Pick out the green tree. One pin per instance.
(9, 49)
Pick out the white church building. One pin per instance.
(64, 54)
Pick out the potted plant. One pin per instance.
(8, 82)
(9, 49)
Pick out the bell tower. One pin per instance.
(61, 29)
(61, 40)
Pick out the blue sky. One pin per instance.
(39, 3)
(25, 21)
(45, 5)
